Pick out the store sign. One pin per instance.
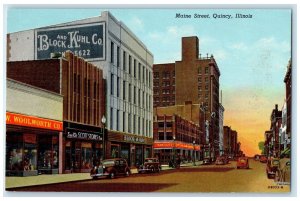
(84, 135)
(175, 145)
(87, 41)
(36, 122)
(134, 139)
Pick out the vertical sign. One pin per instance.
(87, 41)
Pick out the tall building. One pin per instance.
(81, 85)
(221, 131)
(127, 67)
(194, 79)
(288, 100)
(276, 119)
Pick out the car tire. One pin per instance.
(112, 175)
(152, 169)
(94, 178)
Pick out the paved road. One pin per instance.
(210, 178)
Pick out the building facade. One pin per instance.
(288, 100)
(126, 63)
(33, 130)
(171, 87)
(221, 131)
(276, 119)
(175, 137)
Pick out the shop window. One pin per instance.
(125, 152)
(48, 153)
(86, 155)
(68, 156)
(114, 151)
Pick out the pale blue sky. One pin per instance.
(242, 47)
(252, 54)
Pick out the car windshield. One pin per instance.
(149, 160)
(108, 162)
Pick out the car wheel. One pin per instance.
(269, 176)
(127, 173)
(112, 175)
(152, 169)
(94, 178)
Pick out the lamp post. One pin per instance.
(194, 154)
(174, 138)
(103, 120)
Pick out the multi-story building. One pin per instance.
(268, 143)
(127, 67)
(276, 118)
(171, 87)
(288, 100)
(221, 131)
(175, 137)
(81, 85)
(33, 130)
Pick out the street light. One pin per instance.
(103, 120)
(174, 149)
(194, 158)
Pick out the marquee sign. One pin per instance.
(175, 145)
(85, 135)
(35, 122)
(87, 41)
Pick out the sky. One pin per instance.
(251, 53)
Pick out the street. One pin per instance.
(210, 178)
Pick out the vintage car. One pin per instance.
(111, 168)
(256, 157)
(242, 162)
(263, 159)
(221, 160)
(207, 161)
(150, 165)
(272, 166)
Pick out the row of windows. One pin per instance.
(206, 70)
(164, 99)
(131, 65)
(165, 74)
(164, 84)
(163, 91)
(130, 93)
(135, 124)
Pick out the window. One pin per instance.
(129, 123)
(129, 92)
(112, 84)
(206, 87)
(199, 71)
(111, 52)
(134, 121)
(173, 74)
(139, 125)
(134, 68)
(206, 80)
(124, 90)
(129, 68)
(206, 70)
(139, 98)
(118, 56)
(118, 120)
(111, 118)
(134, 95)
(124, 61)
(143, 77)
(118, 86)
(139, 73)
(156, 75)
(124, 122)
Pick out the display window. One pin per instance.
(125, 152)
(138, 154)
(114, 151)
(48, 152)
(86, 155)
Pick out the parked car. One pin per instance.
(283, 173)
(111, 168)
(220, 160)
(150, 165)
(256, 157)
(207, 161)
(263, 159)
(272, 166)
(242, 162)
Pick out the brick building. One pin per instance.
(82, 86)
(175, 136)
(288, 100)
(194, 79)
(276, 119)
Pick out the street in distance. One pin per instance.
(215, 16)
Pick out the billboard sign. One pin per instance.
(87, 41)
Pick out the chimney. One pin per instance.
(276, 107)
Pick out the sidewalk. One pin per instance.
(13, 182)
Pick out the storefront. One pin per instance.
(31, 145)
(168, 150)
(130, 147)
(83, 147)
